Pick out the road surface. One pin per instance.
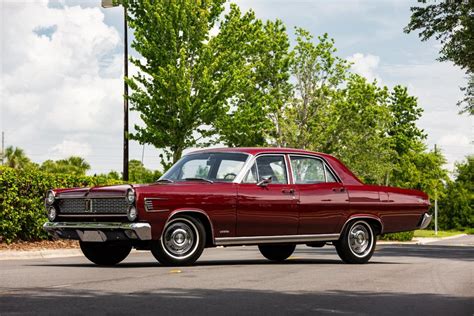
(399, 280)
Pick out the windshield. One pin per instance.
(221, 167)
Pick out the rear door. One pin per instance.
(323, 201)
(268, 210)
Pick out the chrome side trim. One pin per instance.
(148, 202)
(256, 240)
(425, 221)
(142, 230)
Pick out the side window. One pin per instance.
(307, 170)
(251, 176)
(197, 168)
(272, 166)
(228, 170)
(330, 177)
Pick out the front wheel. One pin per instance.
(276, 252)
(181, 243)
(107, 253)
(357, 243)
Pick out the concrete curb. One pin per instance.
(419, 240)
(38, 254)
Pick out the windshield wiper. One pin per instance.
(165, 180)
(198, 179)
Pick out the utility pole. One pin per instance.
(125, 97)
(436, 201)
(110, 4)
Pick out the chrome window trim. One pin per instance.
(256, 240)
(254, 159)
(325, 164)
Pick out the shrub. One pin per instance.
(22, 211)
(403, 236)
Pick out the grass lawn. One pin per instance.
(441, 233)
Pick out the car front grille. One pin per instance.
(93, 206)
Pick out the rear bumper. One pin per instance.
(99, 231)
(425, 221)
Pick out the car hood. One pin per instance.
(94, 192)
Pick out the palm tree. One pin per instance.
(16, 158)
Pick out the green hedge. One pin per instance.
(22, 212)
(403, 236)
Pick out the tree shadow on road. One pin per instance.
(173, 301)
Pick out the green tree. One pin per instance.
(317, 73)
(187, 77)
(456, 207)
(139, 174)
(253, 113)
(16, 158)
(357, 129)
(451, 22)
(72, 165)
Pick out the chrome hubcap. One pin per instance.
(179, 239)
(360, 240)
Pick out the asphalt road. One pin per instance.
(399, 280)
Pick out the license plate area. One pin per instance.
(91, 235)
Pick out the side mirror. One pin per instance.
(265, 181)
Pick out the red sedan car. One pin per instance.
(275, 198)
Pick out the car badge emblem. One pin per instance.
(88, 205)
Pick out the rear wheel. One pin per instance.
(357, 243)
(181, 243)
(276, 252)
(106, 253)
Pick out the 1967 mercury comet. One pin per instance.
(271, 197)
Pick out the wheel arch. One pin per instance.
(374, 221)
(200, 215)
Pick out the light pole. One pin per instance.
(110, 4)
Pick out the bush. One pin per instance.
(22, 211)
(403, 236)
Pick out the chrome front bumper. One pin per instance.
(425, 220)
(100, 231)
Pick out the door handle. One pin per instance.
(288, 191)
(342, 189)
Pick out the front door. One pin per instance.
(268, 209)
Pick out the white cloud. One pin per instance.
(69, 148)
(365, 65)
(61, 76)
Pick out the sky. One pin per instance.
(62, 65)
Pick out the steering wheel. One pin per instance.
(233, 175)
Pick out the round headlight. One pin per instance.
(130, 196)
(132, 213)
(52, 213)
(50, 197)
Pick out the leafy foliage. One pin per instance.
(16, 158)
(457, 205)
(72, 165)
(403, 236)
(452, 23)
(22, 212)
(139, 174)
